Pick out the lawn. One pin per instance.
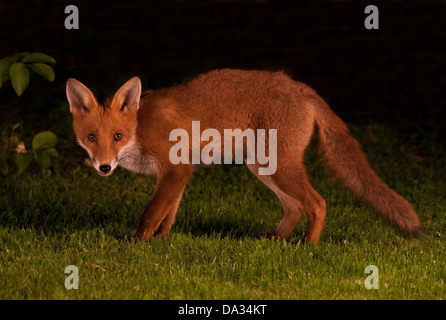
(72, 216)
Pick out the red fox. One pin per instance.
(132, 130)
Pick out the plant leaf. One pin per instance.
(44, 70)
(5, 65)
(17, 57)
(38, 57)
(22, 160)
(43, 140)
(52, 152)
(43, 159)
(19, 77)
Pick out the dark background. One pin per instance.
(395, 74)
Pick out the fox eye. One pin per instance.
(91, 137)
(118, 136)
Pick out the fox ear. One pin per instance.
(127, 97)
(80, 97)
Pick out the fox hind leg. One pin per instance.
(315, 210)
(297, 196)
(292, 214)
(292, 209)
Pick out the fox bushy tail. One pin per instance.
(344, 159)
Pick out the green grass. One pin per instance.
(75, 217)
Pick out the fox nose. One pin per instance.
(105, 168)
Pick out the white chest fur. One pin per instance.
(131, 158)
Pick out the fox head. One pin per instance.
(104, 130)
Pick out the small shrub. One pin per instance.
(42, 149)
(16, 68)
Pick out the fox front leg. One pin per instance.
(161, 211)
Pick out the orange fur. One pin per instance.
(231, 99)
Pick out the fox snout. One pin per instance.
(104, 168)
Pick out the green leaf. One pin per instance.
(22, 160)
(5, 65)
(44, 70)
(52, 152)
(43, 159)
(4, 166)
(38, 57)
(19, 77)
(43, 140)
(17, 57)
